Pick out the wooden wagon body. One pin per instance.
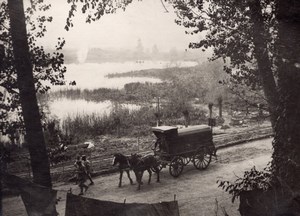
(177, 147)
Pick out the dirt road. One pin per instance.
(196, 191)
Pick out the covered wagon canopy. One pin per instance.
(180, 131)
(182, 141)
(193, 129)
(164, 130)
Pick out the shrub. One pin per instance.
(252, 180)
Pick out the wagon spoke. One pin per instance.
(186, 160)
(205, 160)
(201, 164)
(176, 171)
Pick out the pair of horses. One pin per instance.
(138, 164)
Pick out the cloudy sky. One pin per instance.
(146, 20)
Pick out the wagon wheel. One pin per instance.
(176, 166)
(202, 159)
(186, 160)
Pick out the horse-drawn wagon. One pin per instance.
(177, 147)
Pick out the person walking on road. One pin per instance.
(78, 158)
(87, 166)
(81, 176)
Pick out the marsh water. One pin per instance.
(93, 76)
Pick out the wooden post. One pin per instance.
(220, 103)
(158, 112)
(210, 106)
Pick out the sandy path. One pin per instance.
(196, 191)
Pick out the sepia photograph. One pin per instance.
(150, 107)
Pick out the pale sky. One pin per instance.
(145, 19)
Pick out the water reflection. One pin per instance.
(63, 108)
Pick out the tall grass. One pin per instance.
(86, 125)
(90, 125)
(122, 122)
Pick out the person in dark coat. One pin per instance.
(81, 176)
(87, 165)
(78, 158)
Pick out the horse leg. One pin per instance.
(157, 173)
(139, 186)
(120, 179)
(131, 182)
(138, 179)
(150, 174)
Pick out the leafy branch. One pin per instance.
(252, 180)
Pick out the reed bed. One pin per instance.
(123, 122)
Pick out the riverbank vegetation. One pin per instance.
(181, 98)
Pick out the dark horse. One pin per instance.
(124, 165)
(140, 164)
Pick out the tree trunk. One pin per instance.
(28, 100)
(286, 155)
(263, 62)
